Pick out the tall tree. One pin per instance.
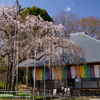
(68, 20)
(32, 36)
(36, 11)
(91, 25)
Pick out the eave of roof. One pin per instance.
(89, 44)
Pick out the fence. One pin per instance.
(29, 94)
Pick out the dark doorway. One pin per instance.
(71, 82)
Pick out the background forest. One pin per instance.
(72, 24)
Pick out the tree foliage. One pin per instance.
(36, 11)
(24, 39)
(68, 20)
(72, 24)
(91, 25)
(3, 67)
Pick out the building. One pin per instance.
(84, 75)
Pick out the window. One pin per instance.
(89, 83)
(78, 83)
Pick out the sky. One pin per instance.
(82, 8)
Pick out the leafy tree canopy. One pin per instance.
(73, 24)
(36, 11)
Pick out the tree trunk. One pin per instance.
(11, 69)
(10, 75)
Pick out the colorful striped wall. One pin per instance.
(88, 71)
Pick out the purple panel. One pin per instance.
(47, 74)
(92, 74)
(69, 72)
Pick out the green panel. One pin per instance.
(44, 74)
(87, 71)
(65, 73)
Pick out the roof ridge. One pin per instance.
(77, 33)
(92, 38)
(85, 35)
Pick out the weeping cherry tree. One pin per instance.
(33, 35)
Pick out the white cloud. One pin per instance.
(68, 8)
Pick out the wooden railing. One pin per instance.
(86, 91)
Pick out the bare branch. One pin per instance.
(4, 31)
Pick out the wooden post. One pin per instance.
(81, 83)
(97, 82)
(44, 82)
(34, 84)
(51, 81)
(26, 81)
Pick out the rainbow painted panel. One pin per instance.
(92, 71)
(60, 73)
(55, 73)
(40, 74)
(87, 71)
(82, 71)
(77, 69)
